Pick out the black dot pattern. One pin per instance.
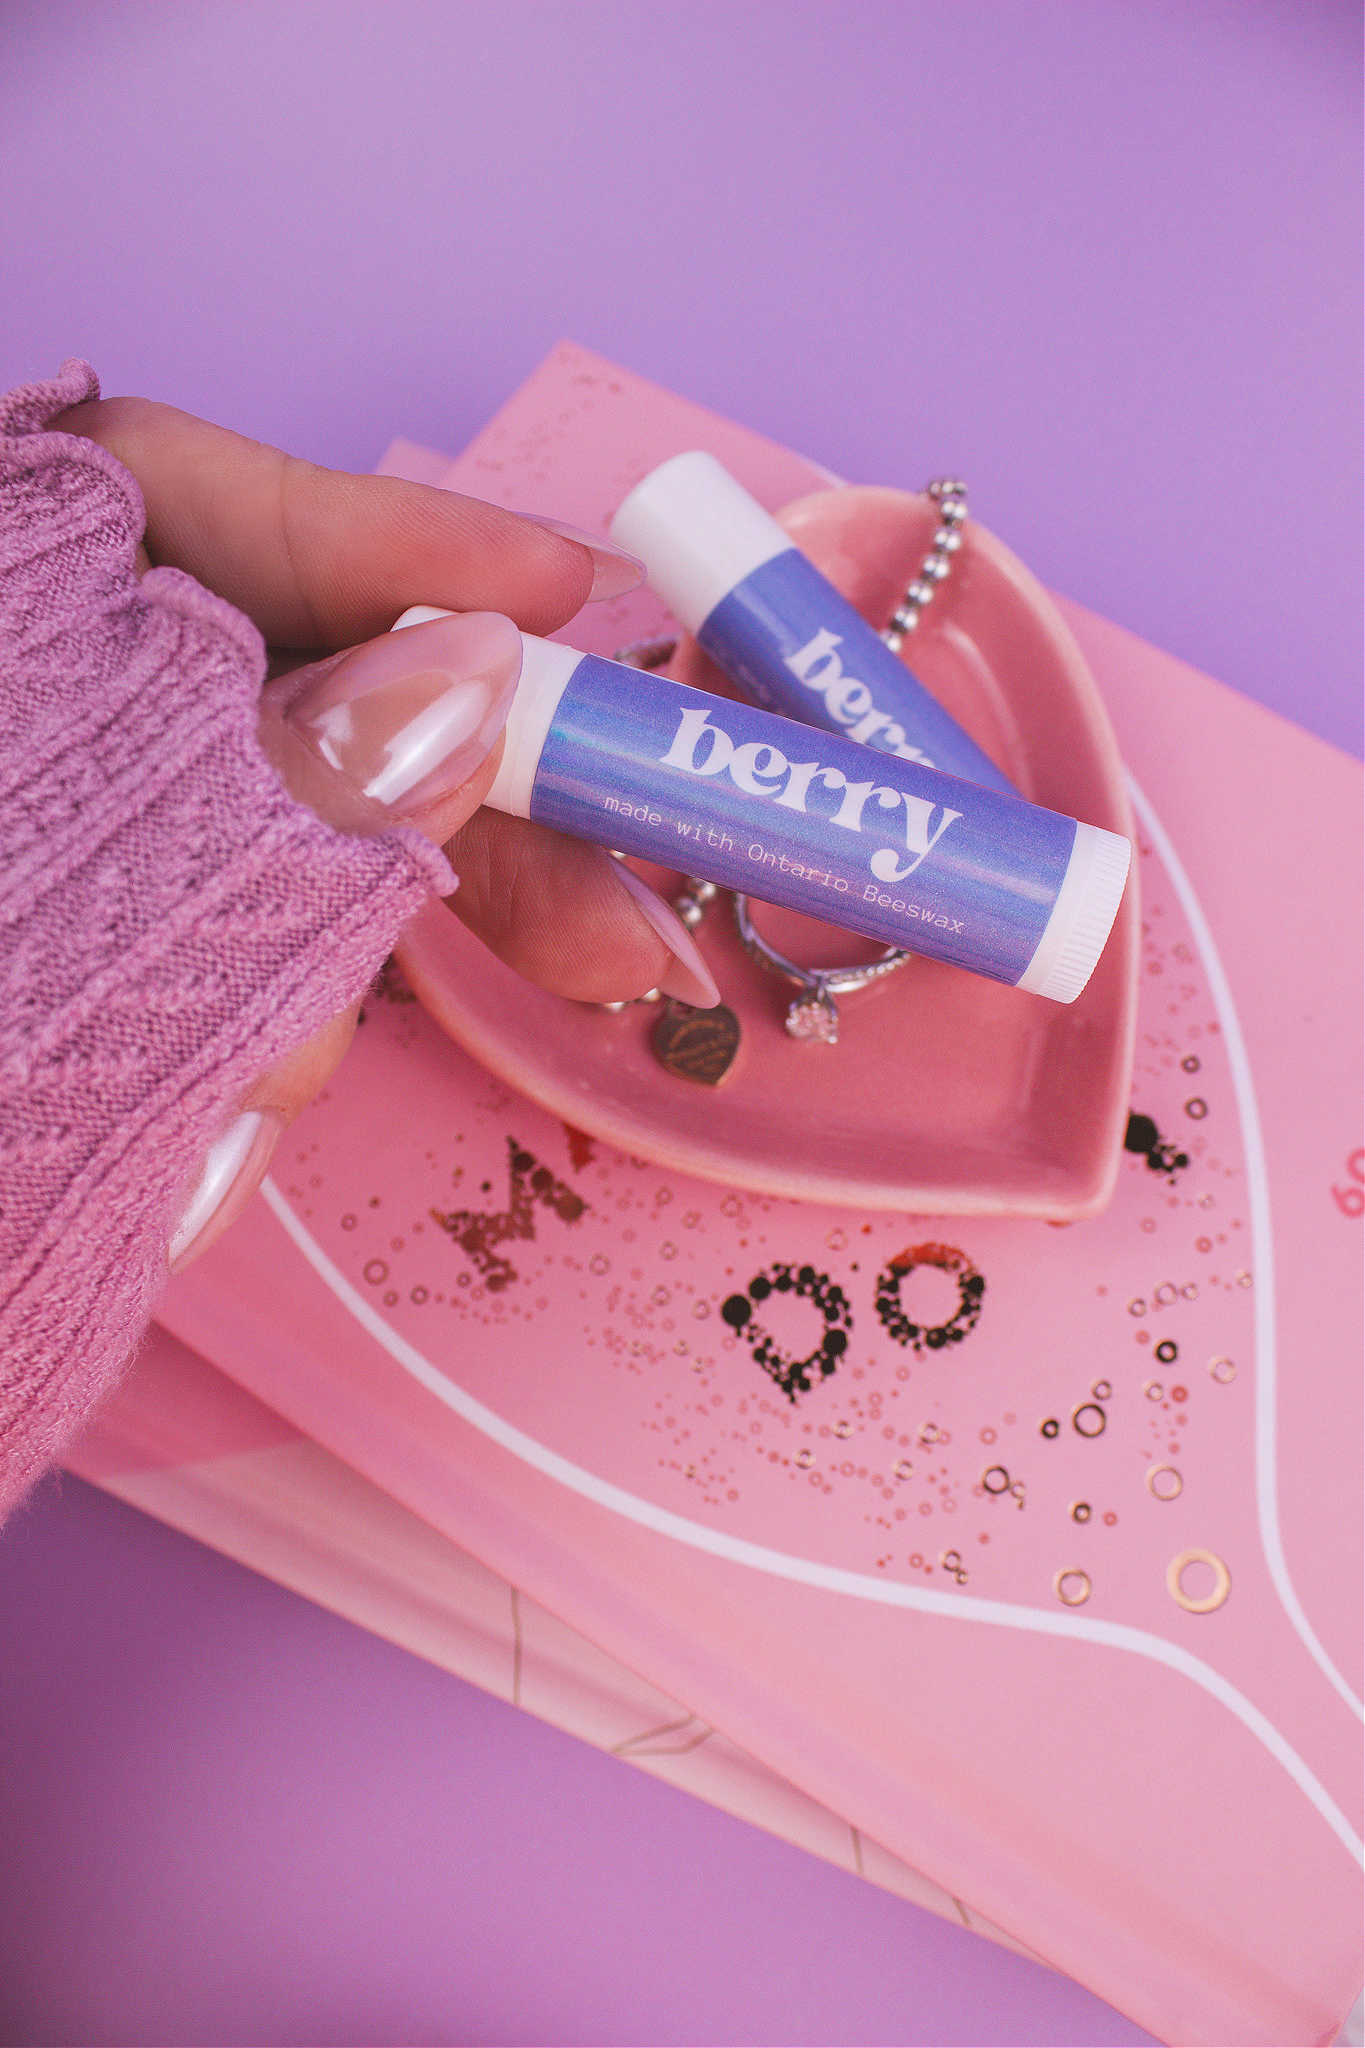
(923, 1337)
(793, 1375)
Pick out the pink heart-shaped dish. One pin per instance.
(946, 1094)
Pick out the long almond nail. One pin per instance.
(233, 1171)
(688, 978)
(614, 572)
(406, 719)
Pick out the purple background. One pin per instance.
(1103, 259)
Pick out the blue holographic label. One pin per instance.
(792, 642)
(808, 819)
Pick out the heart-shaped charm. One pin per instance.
(696, 1045)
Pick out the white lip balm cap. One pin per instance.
(1082, 917)
(545, 671)
(698, 533)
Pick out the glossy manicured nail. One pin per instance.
(406, 719)
(614, 572)
(688, 978)
(233, 1171)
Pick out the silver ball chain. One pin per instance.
(950, 495)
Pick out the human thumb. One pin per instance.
(403, 729)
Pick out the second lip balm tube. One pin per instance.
(811, 820)
(765, 614)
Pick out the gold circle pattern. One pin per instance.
(1222, 1581)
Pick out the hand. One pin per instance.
(406, 727)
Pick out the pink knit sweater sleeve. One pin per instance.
(171, 921)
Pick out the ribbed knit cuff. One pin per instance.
(171, 920)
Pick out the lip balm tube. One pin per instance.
(811, 820)
(778, 628)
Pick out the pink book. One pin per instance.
(1054, 1624)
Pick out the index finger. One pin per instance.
(320, 558)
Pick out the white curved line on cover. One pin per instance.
(806, 1571)
(1263, 1252)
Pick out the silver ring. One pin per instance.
(651, 652)
(814, 1014)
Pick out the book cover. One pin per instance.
(1051, 1588)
